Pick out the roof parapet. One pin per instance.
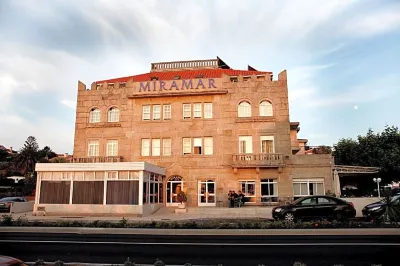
(180, 65)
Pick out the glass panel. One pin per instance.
(155, 147)
(167, 112)
(197, 110)
(296, 189)
(145, 147)
(208, 146)
(146, 112)
(156, 112)
(208, 110)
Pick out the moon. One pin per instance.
(355, 107)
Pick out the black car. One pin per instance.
(5, 203)
(377, 209)
(315, 207)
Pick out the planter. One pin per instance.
(182, 206)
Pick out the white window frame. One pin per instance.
(244, 109)
(93, 148)
(155, 147)
(267, 138)
(247, 182)
(113, 115)
(145, 151)
(146, 112)
(208, 110)
(167, 147)
(270, 181)
(208, 145)
(186, 147)
(248, 147)
(156, 112)
(112, 148)
(95, 115)
(167, 112)
(266, 108)
(308, 182)
(112, 175)
(197, 110)
(198, 142)
(187, 111)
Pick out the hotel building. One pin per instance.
(197, 126)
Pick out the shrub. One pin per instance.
(159, 263)
(59, 263)
(7, 220)
(128, 262)
(39, 262)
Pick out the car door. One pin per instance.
(305, 208)
(325, 207)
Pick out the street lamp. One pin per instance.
(377, 181)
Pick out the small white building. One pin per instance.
(99, 189)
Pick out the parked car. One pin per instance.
(9, 261)
(315, 207)
(377, 209)
(5, 203)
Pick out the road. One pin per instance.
(232, 250)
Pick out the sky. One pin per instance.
(342, 57)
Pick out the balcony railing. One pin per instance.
(258, 160)
(99, 159)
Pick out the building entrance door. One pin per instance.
(207, 193)
(174, 187)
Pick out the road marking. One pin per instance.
(199, 244)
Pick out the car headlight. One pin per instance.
(375, 208)
(278, 209)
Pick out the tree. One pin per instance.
(28, 156)
(374, 149)
(4, 155)
(46, 154)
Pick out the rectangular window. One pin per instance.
(155, 147)
(308, 188)
(167, 112)
(93, 148)
(145, 147)
(167, 147)
(112, 148)
(112, 175)
(156, 112)
(208, 110)
(267, 144)
(187, 146)
(187, 111)
(197, 110)
(248, 188)
(146, 112)
(269, 190)
(245, 144)
(208, 146)
(197, 146)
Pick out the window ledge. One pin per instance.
(103, 125)
(197, 156)
(197, 119)
(255, 119)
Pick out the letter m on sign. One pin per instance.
(144, 87)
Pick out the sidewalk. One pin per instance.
(168, 214)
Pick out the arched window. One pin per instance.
(244, 109)
(94, 116)
(266, 109)
(113, 114)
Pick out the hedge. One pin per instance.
(7, 220)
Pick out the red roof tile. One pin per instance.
(185, 74)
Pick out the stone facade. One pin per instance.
(225, 127)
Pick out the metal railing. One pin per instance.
(97, 159)
(258, 160)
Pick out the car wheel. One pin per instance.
(289, 217)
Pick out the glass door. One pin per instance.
(173, 189)
(207, 193)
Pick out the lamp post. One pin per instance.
(377, 181)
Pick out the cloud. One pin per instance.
(375, 22)
(69, 103)
(45, 50)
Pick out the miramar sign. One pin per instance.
(178, 85)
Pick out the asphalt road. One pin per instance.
(203, 249)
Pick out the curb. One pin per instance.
(146, 231)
